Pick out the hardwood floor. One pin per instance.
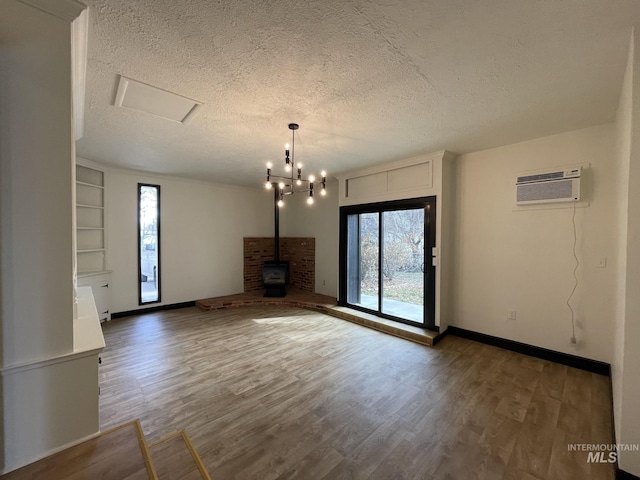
(279, 393)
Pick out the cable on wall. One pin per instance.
(575, 277)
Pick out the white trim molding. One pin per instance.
(79, 38)
(67, 10)
(77, 14)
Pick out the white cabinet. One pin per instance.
(101, 289)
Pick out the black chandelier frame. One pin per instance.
(288, 184)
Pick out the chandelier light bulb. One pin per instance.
(287, 167)
(286, 146)
(267, 185)
(281, 185)
(298, 182)
(269, 164)
(312, 178)
(323, 192)
(280, 203)
(323, 174)
(310, 200)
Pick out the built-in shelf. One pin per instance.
(91, 248)
(89, 184)
(82, 205)
(88, 273)
(90, 220)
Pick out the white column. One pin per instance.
(41, 407)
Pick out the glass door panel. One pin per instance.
(403, 264)
(363, 264)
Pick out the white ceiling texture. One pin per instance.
(368, 81)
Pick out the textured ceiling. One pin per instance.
(368, 81)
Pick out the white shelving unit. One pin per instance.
(90, 220)
(91, 237)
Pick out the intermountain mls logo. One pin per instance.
(603, 452)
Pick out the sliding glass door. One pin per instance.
(382, 265)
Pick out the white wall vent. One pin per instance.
(549, 187)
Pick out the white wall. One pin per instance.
(321, 221)
(36, 174)
(522, 260)
(621, 158)
(48, 390)
(202, 227)
(626, 381)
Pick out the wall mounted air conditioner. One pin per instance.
(549, 187)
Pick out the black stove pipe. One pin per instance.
(276, 215)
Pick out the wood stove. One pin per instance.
(275, 278)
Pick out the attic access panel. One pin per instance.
(161, 103)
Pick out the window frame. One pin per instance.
(158, 244)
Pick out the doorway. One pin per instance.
(384, 265)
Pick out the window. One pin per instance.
(148, 243)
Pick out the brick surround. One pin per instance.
(300, 252)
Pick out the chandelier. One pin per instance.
(293, 182)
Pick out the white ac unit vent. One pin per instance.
(549, 187)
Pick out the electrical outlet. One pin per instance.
(511, 315)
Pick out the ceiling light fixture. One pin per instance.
(283, 185)
(287, 183)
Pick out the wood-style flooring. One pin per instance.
(174, 458)
(117, 454)
(282, 393)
